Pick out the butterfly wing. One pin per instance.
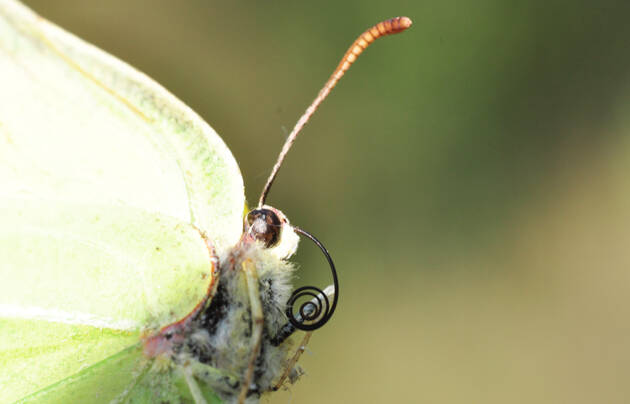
(79, 124)
(107, 183)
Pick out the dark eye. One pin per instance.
(265, 226)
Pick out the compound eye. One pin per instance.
(265, 226)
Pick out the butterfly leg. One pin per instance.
(288, 329)
(293, 360)
(193, 387)
(213, 381)
(251, 277)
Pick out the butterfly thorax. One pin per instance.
(222, 335)
(218, 336)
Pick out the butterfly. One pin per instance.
(129, 271)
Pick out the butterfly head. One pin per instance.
(272, 229)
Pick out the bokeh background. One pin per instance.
(471, 178)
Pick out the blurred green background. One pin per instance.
(469, 176)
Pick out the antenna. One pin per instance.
(387, 27)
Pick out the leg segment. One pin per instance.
(249, 269)
(293, 361)
(194, 388)
(286, 331)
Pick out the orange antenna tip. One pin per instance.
(405, 22)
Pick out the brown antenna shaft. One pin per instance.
(387, 27)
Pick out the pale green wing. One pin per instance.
(78, 124)
(106, 180)
(148, 382)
